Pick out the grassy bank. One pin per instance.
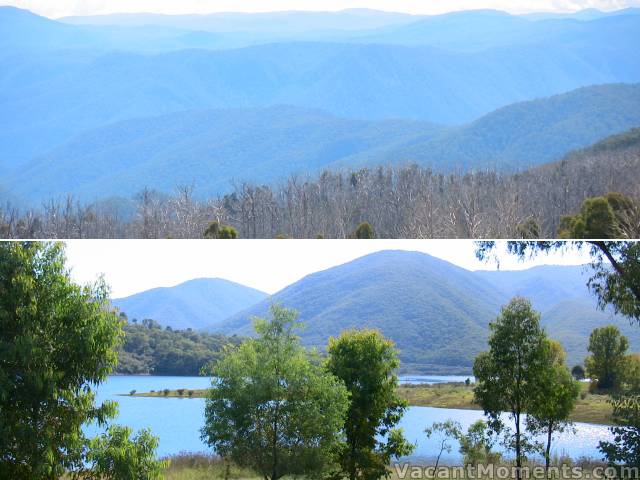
(188, 466)
(205, 467)
(589, 408)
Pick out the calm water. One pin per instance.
(177, 421)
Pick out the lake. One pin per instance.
(177, 421)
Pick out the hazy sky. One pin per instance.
(131, 266)
(59, 8)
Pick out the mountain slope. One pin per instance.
(210, 149)
(43, 108)
(534, 132)
(193, 304)
(545, 285)
(438, 314)
(435, 312)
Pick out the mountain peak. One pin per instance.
(191, 304)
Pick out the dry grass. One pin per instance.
(201, 466)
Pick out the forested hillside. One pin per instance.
(151, 349)
(438, 314)
(423, 126)
(55, 92)
(402, 202)
(193, 304)
(266, 145)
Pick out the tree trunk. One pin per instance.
(439, 455)
(547, 454)
(518, 457)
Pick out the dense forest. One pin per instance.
(399, 202)
(150, 349)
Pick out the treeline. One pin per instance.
(150, 349)
(398, 202)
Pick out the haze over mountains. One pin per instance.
(436, 312)
(208, 148)
(187, 304)
(97, 106)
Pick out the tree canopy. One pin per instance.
(58, 340)
(608, 361)
(616, 267)
(509, 374)
(273, 408)
(367, 363)
(150, 349)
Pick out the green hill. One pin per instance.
(150, 349)
(193, 304)
(212, 148)
(534, 132)
(437, 313)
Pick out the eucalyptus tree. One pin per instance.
(510, 374)
(273, 408)
(556, 398)
(367, 364)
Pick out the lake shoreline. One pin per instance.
(591, 409)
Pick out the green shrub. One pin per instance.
(116, 456)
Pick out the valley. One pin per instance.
(98, 109)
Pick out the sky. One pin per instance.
(60, 8)
(132, 266)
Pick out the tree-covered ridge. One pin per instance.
(491, 60)
(399, 202)
(417, 300)
(615, 143)
(150, 349)
(263, 145)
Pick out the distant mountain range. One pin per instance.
(96, 106)
(436, 312)
(192, 304)
(211, 148)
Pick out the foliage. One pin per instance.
(367, 362)
(556, 397)
(116, 456)
(476, 446)
(619, 284)
(149, 349)
(445, 431)
(632, 373)
(611, 216)
(624, 449)
(509, 375)
(216, 230)
(607, 363)
(616, 265)
(364, 231)
(578, 372)
(530, 228)
(57, 341)
(271, 407)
